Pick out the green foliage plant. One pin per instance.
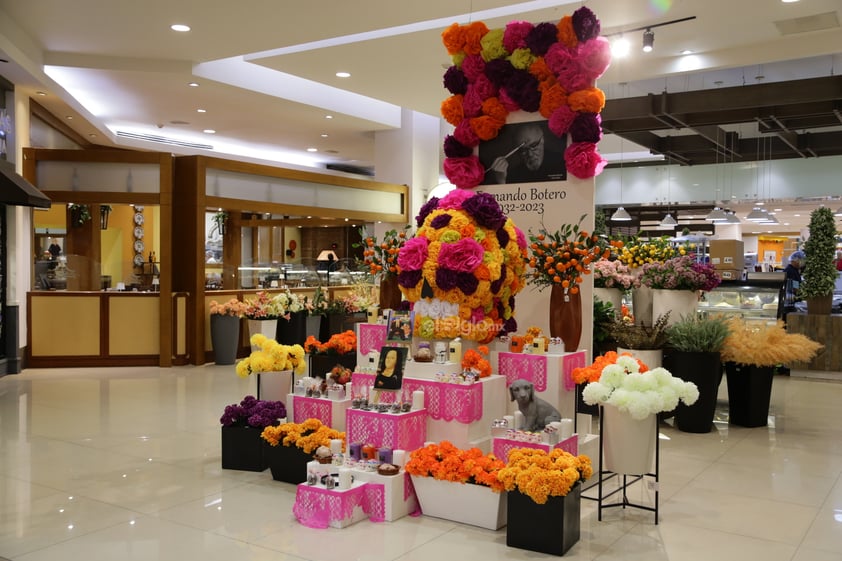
(819, 270)
(698, 334)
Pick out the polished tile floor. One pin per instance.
(124, 464)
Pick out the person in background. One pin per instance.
(839, 260)
(792, 282)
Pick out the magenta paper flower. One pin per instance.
(521, 238)
(463, 256)
(454, 199)
(514, 36)
(464, 172)
(472, 102)
(593, 57)
(561, 119)
(473, 66)
(413, 254)
(465, 134)
(582, 160)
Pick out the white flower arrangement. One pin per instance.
(639, 394)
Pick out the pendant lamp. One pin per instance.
(669, 220)
(716, 215)
(757, 214)
(621, 215)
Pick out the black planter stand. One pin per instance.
(704, 370)
(749, 394)
(287, 463)
(551, 528)
(292, 331)
(242, 449)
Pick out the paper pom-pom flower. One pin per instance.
(464, 172)
(473, 263)
(583, 160)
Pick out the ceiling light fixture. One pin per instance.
(648, 40)
(669, 220)
(732, 218)
(620, 47)
(621, 215)
(193, 84)
(756, 215)
(180, 27)
(343, 74)
(716, 215)
(209, 131)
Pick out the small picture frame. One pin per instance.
(400, 326)
(390, 368)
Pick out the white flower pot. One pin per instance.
(612, 295)
(267, 327)
(628, 445)
(476, 505)
(680, 303)
(642, 305)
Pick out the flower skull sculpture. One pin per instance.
(463, 268)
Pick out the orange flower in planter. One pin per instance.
(340, 343)
(446, 462)
(475, 359)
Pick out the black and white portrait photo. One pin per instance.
(523, 153)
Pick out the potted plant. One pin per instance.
(79, 214)
(646, 342)
(225, 329)
(292, 323)
(291, 447)
(262, 312)
(611, 279)
(242, 424)
(693, 346)
(544, 498)
(459, 485)
(676, 283)
(272, 357)
(339, 349)
(381, 260)
(220, 219)
(819, 270)
(750, 353)
(635, 253)
(630, 400)
(560, 260)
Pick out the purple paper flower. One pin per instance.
(464, 255)
(585, 24)
(446, 279)
(455, 149)
(510, 325)
(485, 209)
(498, 71)
(502, 237)
(441, 221)
(455, 81)
(541, 37)
(427, 208)
(467, 283)
(498, 282)
(586, 128)
(409, 279)
(522, 87)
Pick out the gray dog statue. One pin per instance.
(537, 413)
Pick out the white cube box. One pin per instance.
(395, 504)
(476, 433)
(550, 367)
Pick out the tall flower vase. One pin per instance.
(312, 326)
(610, 295)
(642, 305)
(267, 327)
(275, 385)
(566, 316)
(628, 445)
(225, 338)
(749, 394)
(390, 293)
(705, 370)
(292, 331)
(679, 303)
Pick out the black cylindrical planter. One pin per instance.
(703, 369)
(331, 325)
(292, 331)
(749, 393)
(225, 338)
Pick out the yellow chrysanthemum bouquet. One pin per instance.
(272, 357)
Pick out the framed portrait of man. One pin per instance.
(390, 368)
(524, 153)
(400, 326)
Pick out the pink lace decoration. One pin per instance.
(403, 431)
(462, 403)
(532, 368)
(569, 361)
(316, 507)
(502, 446)
(372, 336)
(304, 408)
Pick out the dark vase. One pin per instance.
(242, 449)
(704, 370)
(548, 528)
(225, 338)
(287, 463)
(820, 305)
(331, 325)
(566, 316)
(749, 393)
(390, 293)
(292, 331)
(320, 365)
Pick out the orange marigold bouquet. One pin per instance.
(591, 373)
(476, 359)
(338, 344)
(446, 462)
(563, 257)
(540, 475)
(308, 435)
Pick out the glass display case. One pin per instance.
(753, 299)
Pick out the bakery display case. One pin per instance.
(755, 298)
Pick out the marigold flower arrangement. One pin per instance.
(476, 359)
(446, 462)
(637, 253)
(550, 68)
(338, 344)
(463, 268)
(232, 307)
(613, 274)
(637, 393)
(382, 257)
(541, 475)
(563, 257)
(252, 412)
(272, 357)
(592, 372)
(763, 344)
(679, 273)
(307, 436)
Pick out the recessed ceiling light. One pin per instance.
(789, 1)
(328, 116)
(180, 27)
(193, 84)
(201, 111)
(343, 74)
(312, 149)
(797, 215)
(39, 92)
(209, 131)
(323, 135)
(778, 209)
(92, 135)
(69, 117)
(687, 52)
(786, 223)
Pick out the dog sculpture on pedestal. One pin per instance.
(537, 413)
